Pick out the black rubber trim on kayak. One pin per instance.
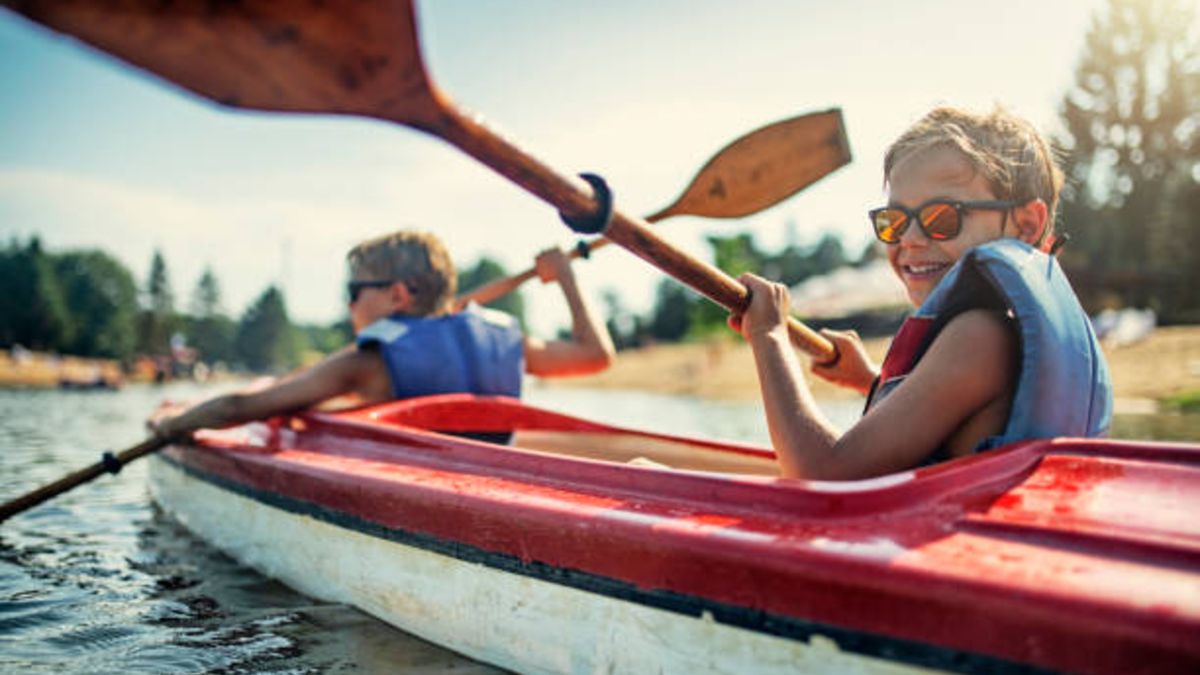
(594, 223)
(848, 640)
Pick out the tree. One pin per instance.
(101, 296)
(623, 325)
(206, 297)
(796, 263)
(1132, 140)
(33, 311)
(734, 255)
(487, 270)
(266, 340)
(157, 321)
(326, 339)
(671, 316)
(209, 330)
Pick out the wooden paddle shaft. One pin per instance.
(573, 198)
(32, 499)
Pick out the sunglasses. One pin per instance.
(939, 219)
(354, 288)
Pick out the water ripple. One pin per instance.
(99, 581)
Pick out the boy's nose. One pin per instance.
(913, 235)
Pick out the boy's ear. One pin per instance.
(401, 298)
(1031, 220)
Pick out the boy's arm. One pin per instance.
(590, 349)
(341, 373)
(967, 369)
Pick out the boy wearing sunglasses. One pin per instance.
(409, 342)
(998, 349)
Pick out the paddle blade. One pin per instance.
(360, 58)
(765, 167)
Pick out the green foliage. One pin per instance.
(209, 331)
(680, 313)
(326, 339)
(487, 270)
(624, 326)
(672, 311)
(1133, 142)
(206, 298)
(212, 337)
(101, 297)
(1188, 401)
(157, 321)
(266, 340)
(736, 254)
(85, 303)
(33, 311)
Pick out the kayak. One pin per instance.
(583, 547)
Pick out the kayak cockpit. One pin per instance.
(530, 428)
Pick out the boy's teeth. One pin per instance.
(923, 269)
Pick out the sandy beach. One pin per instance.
(1166, 363)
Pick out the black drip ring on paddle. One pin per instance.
(584, 248)
(111, 463)
(598, 221)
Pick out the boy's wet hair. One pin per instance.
(1010, 153)
(418, 259)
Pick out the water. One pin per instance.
(98, 581)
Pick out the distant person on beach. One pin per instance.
(409, 342)
(998, 350)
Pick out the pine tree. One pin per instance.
(266, 340)
(209, 330)
(157, 321)
(33, 312)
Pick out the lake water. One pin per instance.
(98, 581)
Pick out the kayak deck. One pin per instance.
(1066, 554)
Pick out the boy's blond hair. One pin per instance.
(418, 259)
(1010, 153)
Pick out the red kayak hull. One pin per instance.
(1070, 554)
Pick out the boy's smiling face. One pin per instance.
(939, 173)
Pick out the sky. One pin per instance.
(95, 154)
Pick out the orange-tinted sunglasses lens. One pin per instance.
(940, 221)
(889, 224)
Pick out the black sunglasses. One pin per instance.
(939, 219)
(354, 288)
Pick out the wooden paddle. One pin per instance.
(359, 58)
(110, 464)
(754, 172)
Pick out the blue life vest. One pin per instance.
(475, 351)
(1063, 387)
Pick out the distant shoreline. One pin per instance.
(23, 369)
(1165, 364)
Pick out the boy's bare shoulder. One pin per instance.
(980, 343)
(980, 324)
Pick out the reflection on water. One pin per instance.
(98, 581)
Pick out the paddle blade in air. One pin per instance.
(360, 58)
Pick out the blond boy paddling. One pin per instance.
(409, 342)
